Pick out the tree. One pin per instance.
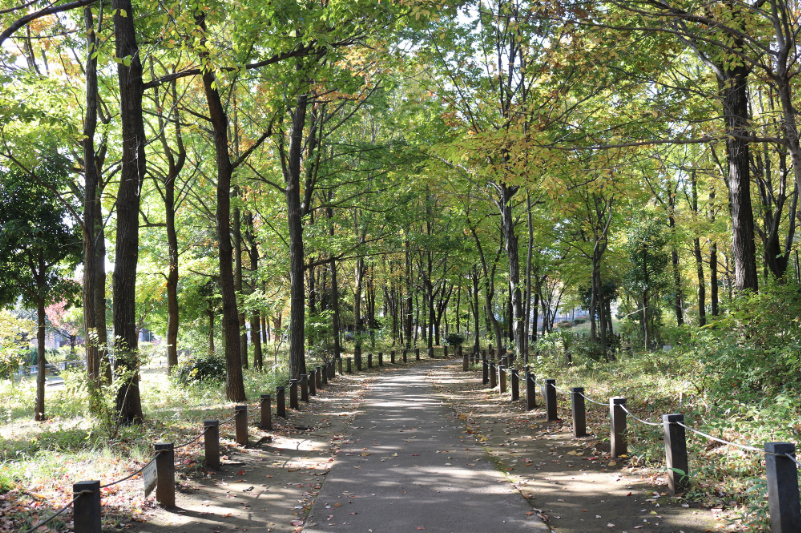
(38, 249)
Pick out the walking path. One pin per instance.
(407, 465)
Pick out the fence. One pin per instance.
(159, 472)
(781, 465)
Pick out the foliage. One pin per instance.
(454, 339)
(208, 368)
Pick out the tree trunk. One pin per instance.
(128, 402)
(255, 318)
(674, 258)
(172, 276)
(39, 407)
(237, 235)
(514, 266)
(234, 383)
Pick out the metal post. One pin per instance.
(579, 412)
(493, 375)
(417, 354)
(380, 359)
(783, 503)
(293, 394)
(465, 363)
(618, 422)
(676, 453)
(312, 382)
(370, 360)
(484, 372)
(531, 391)
(392, 357)
(350, 370)
(304, 388)
(549, 395)
(241, 421)
(280, 402)
(165, 470)
(211, 443)
(266, 412)
(515, 385)
(86, 513)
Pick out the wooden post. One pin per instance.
(324, 373)
(332, 371)
(165, 470)
(380, 359)
(459, 351)
(783, 503)
(502, 379)
(370, 360)
(579, 412)
(445, 352)
(241, 422)
(417, 354)
(484, 372)
(404, 355)
(357, 357)
(313, 382)
(211, 443)
(293, 394)
(318, 377)
(531, 391)
(491, 351)
(339, 364)
(87, 511)
(515, 385)
(392, 357)
(676, 453)
(493, 375)
(304, 388)
(618, 423)
(465, 363)
(350, 370)
(549, 395)
(431, 353)
(265, 408)
(280, 402)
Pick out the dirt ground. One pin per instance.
(572, 483)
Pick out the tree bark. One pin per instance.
(39, 407)
(512, 254)
(234, 383)
(237, 235)
(128, 402)
(255, 316)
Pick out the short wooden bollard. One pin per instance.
(515, 385)
(370, 360)
(357, 357)
(531, 391)
(324, 372)
(86, 513)
(211, 443)
(618, 426)
(313, 382)
(339, 365)
(465, 363)
(165, 470)
(293, 394)
(502, 379)
(380, 359)
(392, 357)
(445, 352)
(304, 388)
(404, 356)
(484, 372)
(782, 473)
(318, 377)
(579, 412)
(332, 371)
(676, 453)
(350, 370)
(493, 375)
(491, 351)
(241, 423)
(431, 353)
(459, 351)
(280, 402)
(265, 408)
(549, 396)
(417, 354)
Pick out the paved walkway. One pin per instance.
(406, 465)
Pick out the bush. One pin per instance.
(202, 369)
(454, 339)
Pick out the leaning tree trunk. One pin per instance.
(234, 383)
(128, 402)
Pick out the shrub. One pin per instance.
(202, 369)
(454, 339)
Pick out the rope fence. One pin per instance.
(159, 473)
(781, 464)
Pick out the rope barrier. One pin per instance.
(132, 475)
(70, 504)
(639, 419)
(591, 400)
(793, 459)
(191, 441)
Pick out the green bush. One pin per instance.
(201, 369)
(454, 339)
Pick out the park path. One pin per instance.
(407, 464)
